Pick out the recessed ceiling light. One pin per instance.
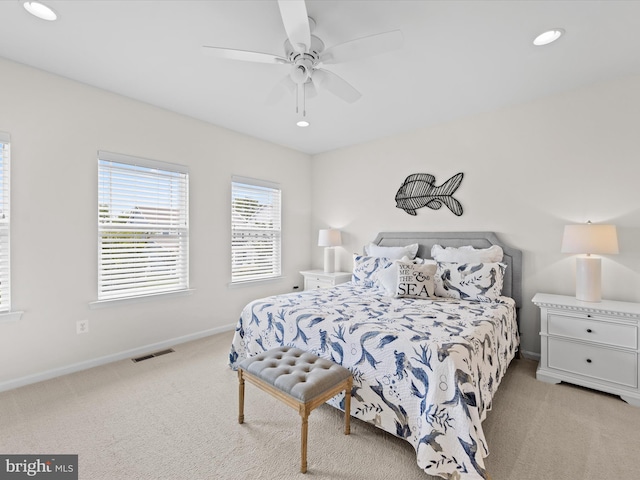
(303, 123)
(548, 37)
(40, 10)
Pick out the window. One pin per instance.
(5, 277)
(255, 230)
(143, 227)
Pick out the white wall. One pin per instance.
(56, 127)
(529, 170)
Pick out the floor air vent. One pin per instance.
(151, 355)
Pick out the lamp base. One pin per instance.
(329, 260)
(588, 279)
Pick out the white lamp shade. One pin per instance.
(329, 238)
(589, 238)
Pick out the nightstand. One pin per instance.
(592, 344)
(319, 279)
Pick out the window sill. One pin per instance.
(253, 283)
(141, 298)
(10, 317)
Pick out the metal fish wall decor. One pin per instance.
(419, 190)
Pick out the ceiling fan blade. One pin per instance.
(296, 24)
(244, 55)
(283, 87)
(325, 80)
(363, 47)
(310, 90)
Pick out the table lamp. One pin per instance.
(589, 239)
(329, 239)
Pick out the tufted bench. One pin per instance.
(298, 378)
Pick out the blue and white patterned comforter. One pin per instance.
(424, 370)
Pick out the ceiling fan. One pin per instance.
(306, 55)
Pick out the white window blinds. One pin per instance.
(5, 277)
(143, 227)
(255, 230)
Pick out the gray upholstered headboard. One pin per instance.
(512, 257)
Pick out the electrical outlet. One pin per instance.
(82, 326)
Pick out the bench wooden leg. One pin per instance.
(304, 413)
(347, 407)
(240, 397)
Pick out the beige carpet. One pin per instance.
(175, 417)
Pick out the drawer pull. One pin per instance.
(589, 330)
(588, 360)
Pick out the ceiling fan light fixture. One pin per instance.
(40, 10)
(302, 123)
(299, 74)
(550, 36)
(301, 70)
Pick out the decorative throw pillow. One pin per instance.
(415, 280)
(388, 277)
(367, 269)
(470, 281)
(467, 254)
(394, 253)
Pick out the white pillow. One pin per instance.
(470, 281)
(394, 253)
(415, 280)
(467, 254)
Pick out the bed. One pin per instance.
(424, 370)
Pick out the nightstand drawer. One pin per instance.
(604, 364)
(594, 330)
(313, 283)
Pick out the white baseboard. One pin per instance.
(530, 355)
(95, 362)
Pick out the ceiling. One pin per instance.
(458, 58)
